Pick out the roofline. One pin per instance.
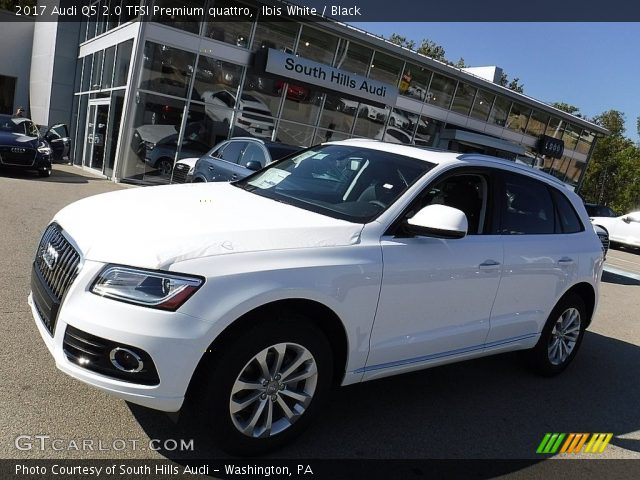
(441, 67)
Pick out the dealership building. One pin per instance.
(138, 95)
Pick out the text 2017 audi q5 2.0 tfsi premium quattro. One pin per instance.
(347, 262)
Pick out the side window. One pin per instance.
(567, 216)
(233, 151)
(526, 207)
(467, 192)
(32, 130)
(254, 153)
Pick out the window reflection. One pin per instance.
(325, 135)
(400, 127)
(316, 45)
(465, 94)
(338, 113)
(584, 144)
(499, 111)
(518, 117)
(427, 131)
(166, 69)
(537, 123)
(415, 82)
(301, 104)
(235, 31)
(123, 60)
(370, 121)
(183, 22)
(278, 35)
(570, 136)
(482, 105)
(441, 91)
(294, 134)
(353, 57)
(555, 128)
(575, 170)
(386, 68)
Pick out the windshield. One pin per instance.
(347, 182)
(8, 124)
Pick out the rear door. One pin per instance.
(224, 166)
(539, 262)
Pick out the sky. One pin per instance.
(593, 66)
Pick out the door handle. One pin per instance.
(489, 265)
(565, 261)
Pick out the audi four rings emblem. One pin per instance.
(18, 150)
(50, 257)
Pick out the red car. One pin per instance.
(294, 92)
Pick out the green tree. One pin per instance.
(565, 107)
(460, 63)
(511, 84)
(402, 41)
(429, 48)
(613, 176)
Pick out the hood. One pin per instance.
(154, 227)
(18, 140)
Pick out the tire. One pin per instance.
(226, 412)
(165, 165)
(45, 172)
(552, 354)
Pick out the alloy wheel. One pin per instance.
(564, 336)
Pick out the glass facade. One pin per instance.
(186, 99)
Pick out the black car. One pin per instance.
(22, 146)
(58, 138)
(595, 210)
(239, 157)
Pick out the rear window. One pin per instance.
(526, 208)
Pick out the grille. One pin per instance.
(19, 156)
(92, 353)
(54, 270)
(180, 173)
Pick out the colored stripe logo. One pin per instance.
(574, 443)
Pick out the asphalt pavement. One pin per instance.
(490, 408)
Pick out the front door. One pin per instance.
(96, 134)
(437, 294)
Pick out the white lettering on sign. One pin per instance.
(308, 71)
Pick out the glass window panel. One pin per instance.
(499, 111)
(441, 91)
(166, 69)
(107, 69)
(87, 66)
(183, 22)
(96, 72)
(323, 135)
(208, 124)
(465, 94)
(415, 81)
(294, 134)
(235, 31)
(527, 207)
(585, 142)
(213, 75)
(353, 57)
(261, 94)
(427, 131)
(91, 28)
(386, 68)
(555, 128)
(575, 169)
(316, 45)
(570, 136)
(518, 117)
(338, 113)
(301, 103)
(123, 60)
(482, 105)
(156, 123)
(101, 21)
(537, 123)
(113, 129)
(370, 121)
(278, 35)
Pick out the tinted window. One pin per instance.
(254, 153)
(280, 151)
(526, 207)
(232, 151)
(567, 216)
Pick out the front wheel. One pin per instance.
(560, 338)
(264, 387)
(165, 166)
(45, 173)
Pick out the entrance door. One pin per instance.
(96, 134)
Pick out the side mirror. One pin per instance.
(253, 165)
(438, 221)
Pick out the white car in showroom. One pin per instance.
(351, 261)
(623, 230)
(252, 114)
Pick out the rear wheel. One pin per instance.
(263, 388)
(560, 338)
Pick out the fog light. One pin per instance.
(126, 360)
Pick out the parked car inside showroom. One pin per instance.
(346, 262)
(237, 158)
(22, 147)
(623, 230)
(253, 114)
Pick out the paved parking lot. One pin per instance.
(489, 409)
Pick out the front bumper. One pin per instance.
(175, 342)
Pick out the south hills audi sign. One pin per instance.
(314, 73)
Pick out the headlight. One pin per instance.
(44, 149)
(148, 288)
(191, 170)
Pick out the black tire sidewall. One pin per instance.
(226, 365)
(539, 356)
